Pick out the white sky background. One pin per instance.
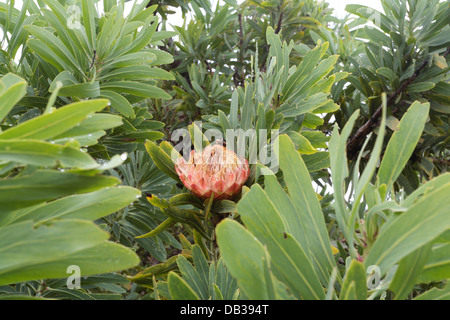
(338, 5)
(177, 20)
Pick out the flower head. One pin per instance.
(215, 170)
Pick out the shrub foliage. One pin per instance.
(92, 94)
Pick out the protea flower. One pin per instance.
(216, 169)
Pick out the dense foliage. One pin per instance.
(351, 201)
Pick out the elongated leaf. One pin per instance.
(419, 225)
(354, 287)
(406, 276)
(131, 59)
(81, 90)
(245, 263)
(33, 253)
(436, 294)
(12, 89)
(421, 86)
(50, 125)
(289, 259)
(89, 22)
(119, 103)
(297, 179)
(301, 143)
(437, 266)
(44, 185)
(307, 105)
(302, 89)
(55, 45)
(146, 276)
(339, 172)
(137, 89)
(402, 143)
(317, 161)
(46, 54)
(139, 72)
(311, 59)
(199, 140)
(427, 187)
(193, 278)
(162, 160)
(89, 206)
(179, 289)
(44, 154)
(93, 123)
(189, 217)
(288, 212)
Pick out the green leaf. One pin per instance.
(304, 71)
(301, 143)
(304, 106)
(193, 279)
(30, 252)
(86, 140)
(162, 57)
(378, 37)
(54, 48)
(189, 217)
(93, 123)
(317, 161)
(436, 294)
(163, 226)
(387, 73)
(179, 289)
(143, 37)
(186, 199)
(81, 90)
(12, 89)
(288, 257)
(88, 206)
(198, 139)
(146, 276)
(420, 86)
(45, 154)
(287, 210)
(128, 60)
(339, 172)
(52, 124)
(247, 109)
(402, 143)
(136, 88)
(234, 109)
(44, 185)
(139, 72)
(406, 277)
(162, 160)
(437, 267)
(414, 228)
(118, 102)
(370, 14)
(88, 11)
(245, 263)
(224, 206)
(65, 78)
(303, 88)
(355, 286)
(298, 180)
